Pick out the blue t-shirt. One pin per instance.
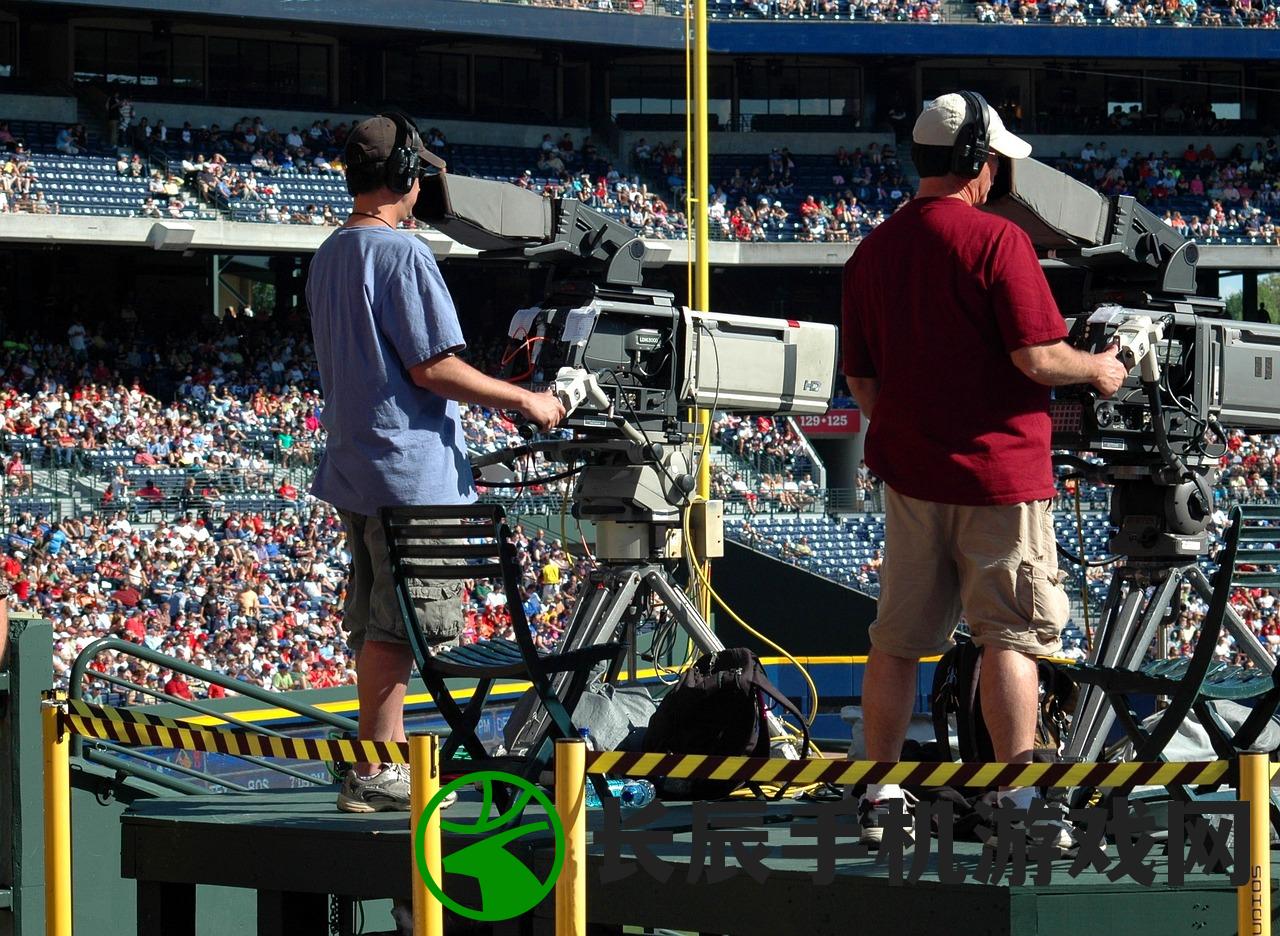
(379, 307)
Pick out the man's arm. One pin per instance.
(1057, 364)
(865, 390)
(454, 379)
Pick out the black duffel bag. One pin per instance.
(717, 707)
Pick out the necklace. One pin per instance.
(370, 214)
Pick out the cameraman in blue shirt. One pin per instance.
(386, 337)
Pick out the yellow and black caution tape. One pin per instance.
(846, 772)
(132, 727)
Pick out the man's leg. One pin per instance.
(1010, 689)
(918, 609)
(1016, 611)
(919, 606)
(888, 696)
(382, 678)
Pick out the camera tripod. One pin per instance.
(1162, 534)
(615, 598)
(1131, 619)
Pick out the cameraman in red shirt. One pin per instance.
(952, 340)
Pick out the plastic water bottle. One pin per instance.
(637, 794)
(630, 793)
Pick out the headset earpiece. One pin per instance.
(403, 162)
(973, 142)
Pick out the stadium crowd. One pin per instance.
(19, 185)
(1201, 193)
(252, 169)
(254, 594)
(762, 199)
(1177, 13)
(1138, 13)
(256, 597)
(246, 591)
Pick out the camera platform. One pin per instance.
(170, 846)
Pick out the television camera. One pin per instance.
(627, 362)
(629, 366)
(1194, 373)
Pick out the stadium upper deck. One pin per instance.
(825, 65)
(752, 27)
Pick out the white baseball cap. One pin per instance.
(939, 123)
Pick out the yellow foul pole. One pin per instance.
(700, 185)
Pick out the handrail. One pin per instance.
(230, 719)
(248, 690)
(94, 756)
(194, 706)
(819, 468)
(160, 762)
(275, 699)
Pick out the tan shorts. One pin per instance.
(998, 564)
(372, 610)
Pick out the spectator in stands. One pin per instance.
(401, 365)
(17, 476)
(946, 508)
(65, 144)
(113, 105)
(140, 137)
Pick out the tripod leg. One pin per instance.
(595, 621)
(1245, 638)
(1093, 716)
(705, 639)
(1137, 625)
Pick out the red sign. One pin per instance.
(836, 422)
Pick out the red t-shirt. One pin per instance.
(935, 299)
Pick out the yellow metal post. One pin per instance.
(1253, 916)
(424, 783)
(57, 822)
(571, 804)
(701, 182)
(701, 299)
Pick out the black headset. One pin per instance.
(401, 168)
(972, 147)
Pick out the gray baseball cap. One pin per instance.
(372, 140)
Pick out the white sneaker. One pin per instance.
(1050, 829)
(873, 815)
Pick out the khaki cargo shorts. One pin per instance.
(998, 564)
(372, 611)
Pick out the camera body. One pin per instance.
(1211, 371)
(655, 360)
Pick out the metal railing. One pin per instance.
(829, 501)
(108, 754)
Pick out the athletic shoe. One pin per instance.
(387, 790)
(874, 815)
(1050, 830)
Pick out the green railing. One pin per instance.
(93, 750)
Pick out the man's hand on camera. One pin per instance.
(543, 410)
(1111, 372)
